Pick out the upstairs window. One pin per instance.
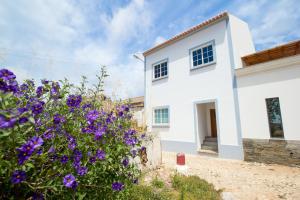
(274, 116)
(202, 55)
(161, 116)
(160, 70)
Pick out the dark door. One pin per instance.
(213, 122)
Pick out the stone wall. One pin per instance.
(284, 152)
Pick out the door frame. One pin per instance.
(196, 131)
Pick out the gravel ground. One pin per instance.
(239, 179)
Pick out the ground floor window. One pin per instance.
(274, 116)
(161, 116)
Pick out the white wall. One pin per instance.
(202, 122)
(254, 88)
(184, 87)
(242, 43)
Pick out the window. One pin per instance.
(274, 116)
(161, 116)
(160, 70)
(202, 55)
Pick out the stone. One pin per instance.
(277, 151)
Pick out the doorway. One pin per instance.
(213, 122)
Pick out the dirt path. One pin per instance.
(242, 180)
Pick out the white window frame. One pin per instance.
(153, 117)
(159, 63)
(201, 47)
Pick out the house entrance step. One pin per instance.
(211, 139)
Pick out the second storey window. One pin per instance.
(160, 70)
(202, 55)
(161, 116)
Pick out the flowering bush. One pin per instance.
(58, 141)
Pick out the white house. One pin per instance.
(198, 91)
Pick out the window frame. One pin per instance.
(154, 124)
(269, 122)
(212, 42)
(159, 63)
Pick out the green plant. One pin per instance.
(157, 183)
(58, 141)
(193, 187)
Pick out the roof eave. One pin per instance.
(188, 32)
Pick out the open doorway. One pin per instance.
(207, 126)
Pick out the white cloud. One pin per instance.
(271, 23)
(56, 39)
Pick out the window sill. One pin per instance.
(202, 66)
(160, 78)
(160, 125)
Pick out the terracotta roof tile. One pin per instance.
(281, 51)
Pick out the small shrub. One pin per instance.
(58, 141)
(157, 183)
(143, 192)
(193, 187)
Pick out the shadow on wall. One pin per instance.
(282, 74)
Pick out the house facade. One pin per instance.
(192, 84)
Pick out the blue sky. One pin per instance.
(68, 38)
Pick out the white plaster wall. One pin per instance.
(241, 38)
(208, 107)
(138, 115)
(183, 87)
(253, 89)
(202, 121)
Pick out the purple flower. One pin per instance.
(99, 133)
(51, 149)
(130, 141)
(25, 151)
(82, 170)
(133, 153)
(54, 91)
(100, 154)
(117, 186)
(92, 159)
(76, 164)
(77, 155)
(3, 86)
(37, 141)
(18, 176)
(24, 87)
(70, 181)
(64, 159)
(37, 107)
(86, 106)
(22, 110)
(38, 196)
(57, 119)
(7, 75)
(125, 162)
(88, 129)
(23, 120)
(74, 100)
(92, 115)
(39, 91)
(48, 134)
(72, 145)
(45, 82)
(7, 123)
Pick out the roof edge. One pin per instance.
(188, 32)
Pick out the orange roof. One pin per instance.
(285, 50)
(188, 32)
